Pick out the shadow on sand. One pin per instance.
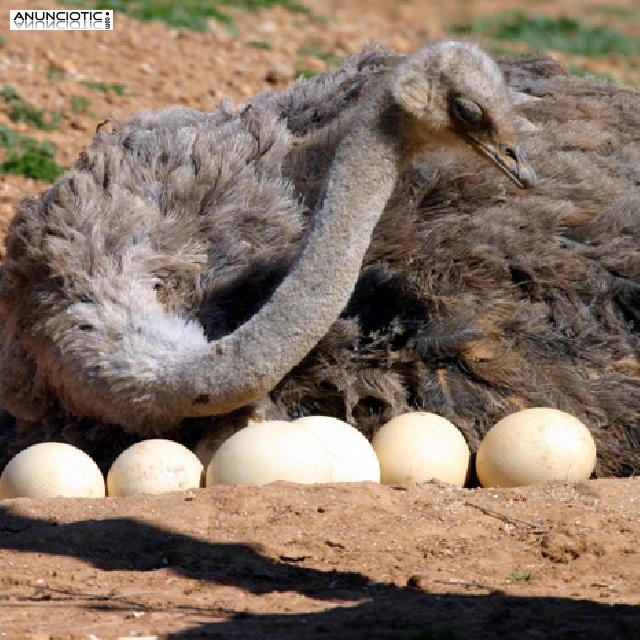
(374, 611)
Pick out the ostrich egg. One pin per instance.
(49, 470)
(269, 451)
(154, 466)
(351, 455)
(535, 445)
(421, 446)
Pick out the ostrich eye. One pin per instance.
(468, 112)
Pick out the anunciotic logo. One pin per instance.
(61, 20)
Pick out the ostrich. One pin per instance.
(175, 280)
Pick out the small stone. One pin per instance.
(279, 73)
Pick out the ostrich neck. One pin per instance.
(246, 364)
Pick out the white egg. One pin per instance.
(421, 446)
(154, 466)
(351, 455)
(270, 451)
(535, 445)
(211, 441)
(49, 470)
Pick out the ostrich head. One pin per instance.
(452, 92)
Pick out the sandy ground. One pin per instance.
(420, 562)
(334, 561)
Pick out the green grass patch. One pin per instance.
(20, 110)
(304, 73)
(28, 157)
(54, 72)
(259, 44)
(522, 576)
(506, 52)
(542, 33)
(190, 14)
(80, 104)
(8, 137)
(3, 41)
(290, 5)
(315, 50)
(105, 87)
(576, 70)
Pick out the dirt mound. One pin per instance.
(347, 561)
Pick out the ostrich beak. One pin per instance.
(510, 158)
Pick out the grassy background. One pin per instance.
(542, 33)
(191, 14)
(581, 41)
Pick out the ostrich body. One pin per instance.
(176, 272)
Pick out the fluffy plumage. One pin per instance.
(475, 299)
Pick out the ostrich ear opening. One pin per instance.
(411, 87)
